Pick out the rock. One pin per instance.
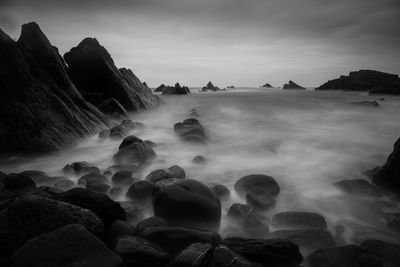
(34, 76)
(65, 184)
(118, 228)
(117, 132)
(239, 211)
(231, 87)
(98, 188)
(153, 221)
(191, 130)
(80, 168)
(173, 90)
(134, 211)
(257, 183)
(362, 80)
(137, 251)
(386, 252)
(122, 178)
(221, 191)
(175, 239)
(19, 184)
(97, 78)
(348, 255)
(269, 252)
(292, 85)
(267, 85)
(6, 198)
(386, 177)
(311, 239)
(71, 245)
(210, 87)
(116, 192)
(130, 125)
(161, 174)
(224, 257)
(39, 177)
(104, 134)
(365, 103)
(199, 160)
(30, 216)
(129, 140)
(358, 188)
(136, 153)
(387, 88)
(198, 206)
(140, 191)
(298, 220)
(133, 167)
(195, 255)
(93, 178)
(255, 225)
(107, 209)
(150, 143)
(113, 108)
(260, 200)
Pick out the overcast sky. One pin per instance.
(239, 42)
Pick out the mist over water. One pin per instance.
(306, 140)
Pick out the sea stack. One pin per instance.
(173, 90)
(210, 87)
(292, 85)
(267, 85)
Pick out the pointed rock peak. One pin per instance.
(209, 84)
(177, 85)
(31, 32)
(90, 42)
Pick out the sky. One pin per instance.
(228, 42)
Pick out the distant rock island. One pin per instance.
(375, 82)
(231, 87)
(292, 85)
(46, 105)
(172, 90)
(267, 85)
(210, 87)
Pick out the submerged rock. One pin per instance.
(200, 160)
(298, 220)
(292, 85)
(257, 183)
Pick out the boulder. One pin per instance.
(191, 130)
(93, 178)
(122, 178)
(359, 188)
(311, 239)
(239, 211)
(117, 132)
(129, 140)
(140, 191)
(266, 252)
(137, 251)
(175, 239)
(161, 174)
(65, 184)
(292, 85)
(118, 228)
(130, 125)
(195, 255)
(71, 245)
(135, 212)
(140, 153)
(153, 221)
(150, 143)
(30, 216)
(298, 220)
(221, 191)
(388, 253)
(188, 203)
(259, 200)
(18, 184)
(224, 257)
(98, 188)
(80, 168)
(348, 255)
(200, 160)
(104, 134)
(113, 108)
(257, 183)
(39, 177)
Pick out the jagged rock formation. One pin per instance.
(173, 90)
(94, 73)
(292, 85)
(210, 87)
(364, 80)
(41, 109)
(267, 85)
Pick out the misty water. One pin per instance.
(306, 140)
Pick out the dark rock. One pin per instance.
(386, 252)
(349, 255)
(387, 88)
(298, 220)
(173, 90)
(210, 87)
(239, 211)
(221, 191)
(113, 108)
(122, 178)
(129, 140)
(134, 211)
(175, 239)
(30, 216)
(80, 168)
(267, 85)
(195, 255)
(231, 87)
(130, 125)
(107, 209)
(292, 85)
(270, 252)
(6, 198)
(362, 80)
(255, 225)
(140, 191)
(310, 239)
(191, 130)
(104, 134)
(136, 153)
(224, 257)
(117, 132)
(150, 143)
(93, 178)
(260, 200)
(97, 78)
(41, 109)
(161, 174)
(19, 184)
(137, 251)
(39, 177)
(386, 177)
(365, 103)
(65, 184)
(133, 167)
(98, 188)
(257, 183)
(117, 229)
(153, 221)
(199, 160)
(116, 192)
(71, 245)
(188, 203)
(358, 188)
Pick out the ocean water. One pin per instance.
(306, 140)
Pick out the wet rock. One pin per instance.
(266, 252)
(298, 220)
(137, 251)
(39, 177)
(358, 188)
(93, 178)
(388, 253)
(136, 153)
(30, 216)
(348, 255)
(118, 228)
(365, 103)
(210, 87)
(161, 174)
(200, 160)
(311, 239)
(195, 255)
(175, 239)
(198, 206)
(239, 211)
(122, 178)
(191, 130)
(221, 191)
(6, 197)
(98, 188)
(140, 191)
(150, 143)
(173, 90)
(104, 134)
(153, 221)
(71, 245)
(19, 184)
(65, 184)
(255, 225)
(224, 257)
(107, 209)
(135, 212)
(80, 168)
(267, 85)
(116, 192)
(292, 85)
(112, 108)
(130, 125)
(129, 140)
(257, 183)
(133, 167)
(117, 132)
(260, 200)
